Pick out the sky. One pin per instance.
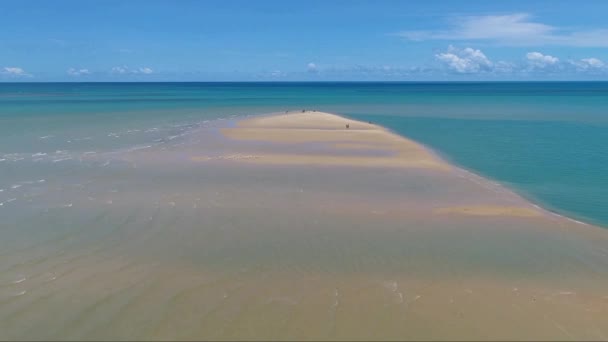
(183, 40)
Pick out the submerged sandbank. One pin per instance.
(293, 227)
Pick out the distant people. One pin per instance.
(303, 110)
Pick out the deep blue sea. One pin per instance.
(545, 140)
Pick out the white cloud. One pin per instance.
(538, 60)
(593, 62)
(145, 70)
(586, 64)
(312, 67)
(511, 29)
(127, 70)
(120, 70)
(15, 72)
(78, 72)
(465, 61)
(485, 27)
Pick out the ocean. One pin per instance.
(545, 140)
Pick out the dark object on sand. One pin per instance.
(303, 110)
(347, 126)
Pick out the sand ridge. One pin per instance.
(339, 137)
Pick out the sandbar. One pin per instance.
(330, 131)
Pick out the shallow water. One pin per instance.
(148, 244)
(571, 177)
(545, 139)
(123, 236)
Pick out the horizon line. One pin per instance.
(324, 81)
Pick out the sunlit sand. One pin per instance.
(331, 132)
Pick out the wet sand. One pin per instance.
(291, 226)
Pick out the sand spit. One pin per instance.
(337, 141)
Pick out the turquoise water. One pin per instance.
(563, 165)
(545, 140)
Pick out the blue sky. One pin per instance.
(302, 40)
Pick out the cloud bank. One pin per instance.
(474, 61)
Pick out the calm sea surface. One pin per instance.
(545, 140)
